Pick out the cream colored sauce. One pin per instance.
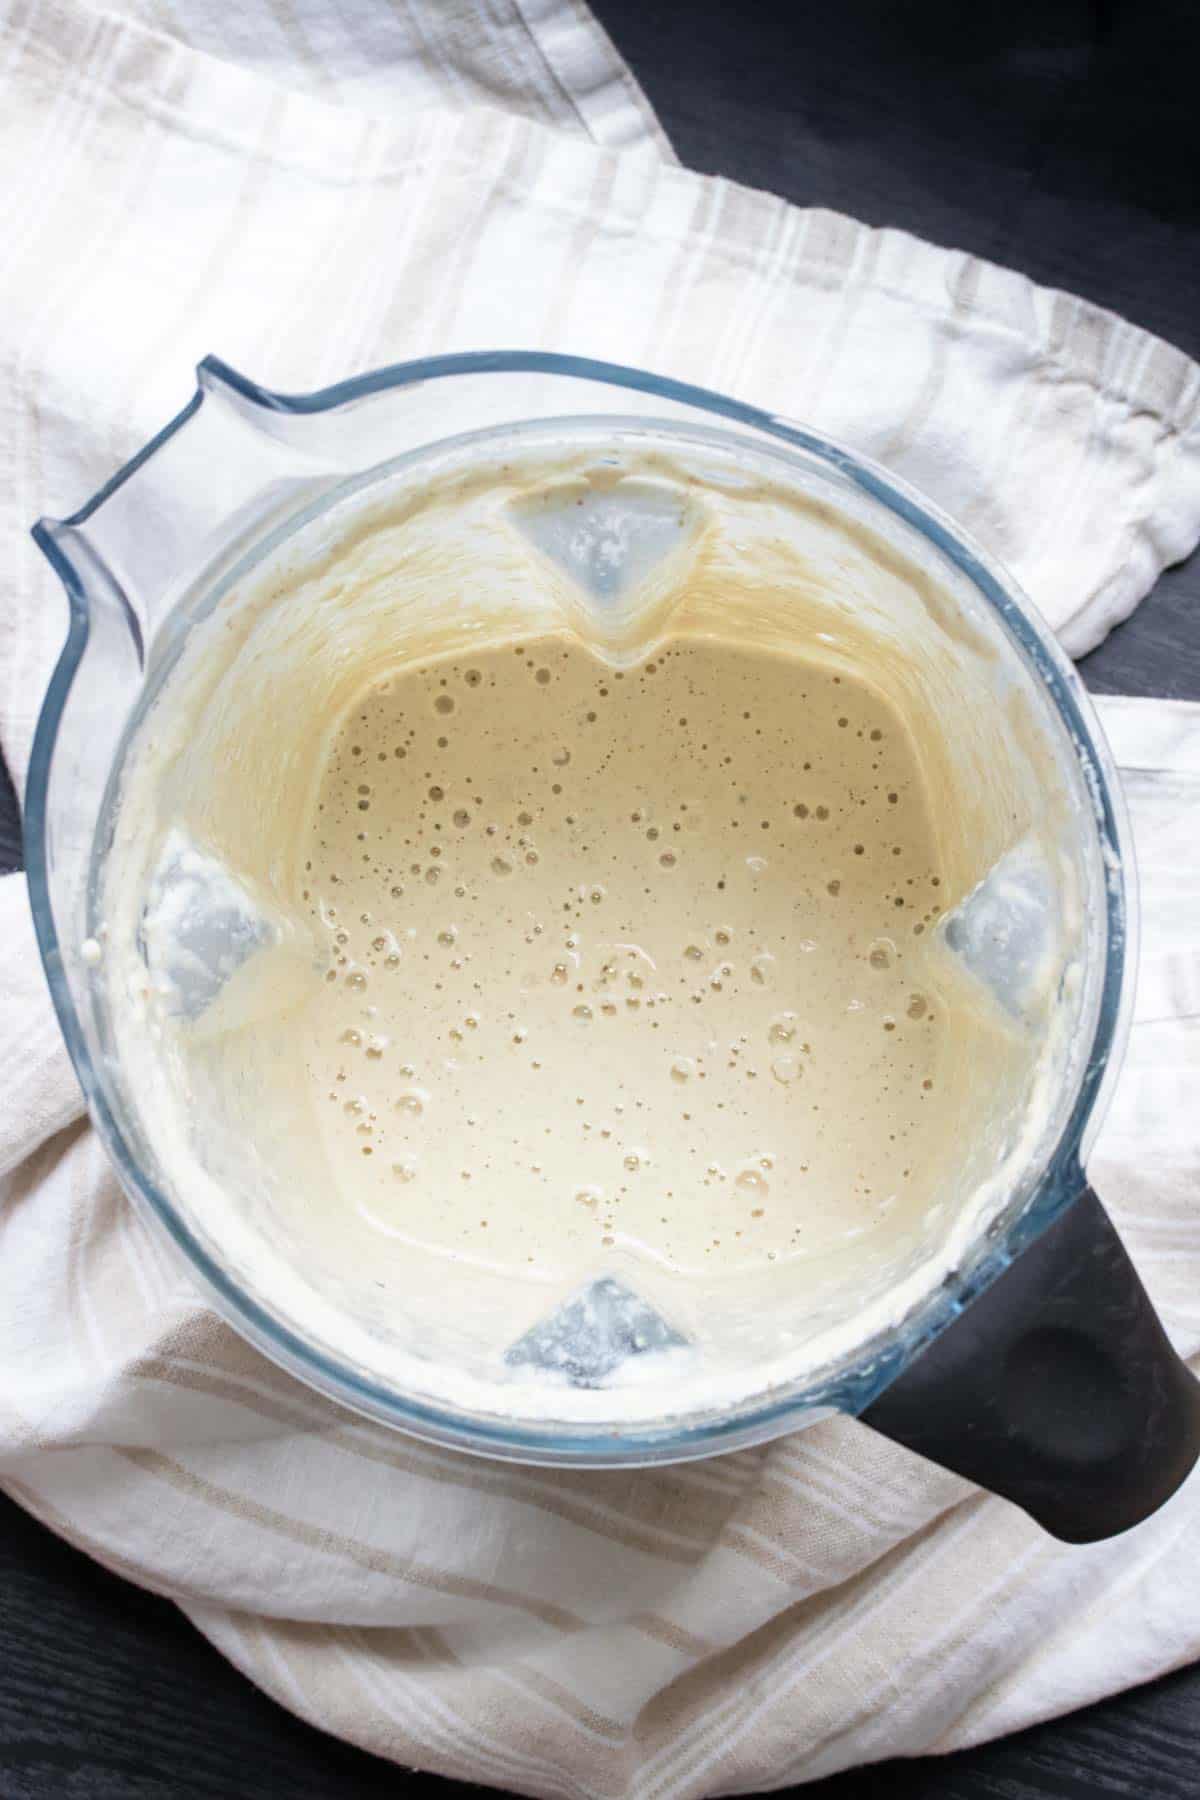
(625, 988)
(626, 962)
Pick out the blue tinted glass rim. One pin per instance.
(848, 1389)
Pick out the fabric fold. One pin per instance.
(315, 193)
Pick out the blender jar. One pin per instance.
(1017, 1348)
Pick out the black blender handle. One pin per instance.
(1056, 1388)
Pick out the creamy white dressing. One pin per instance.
(524, 882)
(628, 967)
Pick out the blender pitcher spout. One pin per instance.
(191, 498)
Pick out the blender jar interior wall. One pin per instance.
(620, 536)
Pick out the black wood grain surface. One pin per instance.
(1056, 136)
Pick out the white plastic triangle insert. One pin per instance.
(594, 1333)
(623, 545)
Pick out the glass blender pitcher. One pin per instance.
(1021, 1352)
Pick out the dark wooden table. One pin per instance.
(1056, 136)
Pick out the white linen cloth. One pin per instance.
(744, 1623)
(548, 60)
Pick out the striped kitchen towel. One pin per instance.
(313, 190)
